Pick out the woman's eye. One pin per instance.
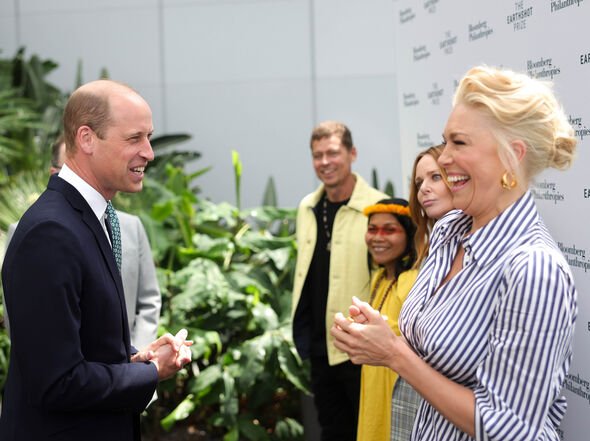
(436, 177)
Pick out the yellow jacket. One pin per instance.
(349, 272)
(377, 382)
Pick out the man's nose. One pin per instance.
(147, 151)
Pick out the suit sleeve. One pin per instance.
(149, 300)
(46, 285)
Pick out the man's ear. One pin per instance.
(353, 153)
(86, 138)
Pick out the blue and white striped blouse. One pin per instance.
(503, 326)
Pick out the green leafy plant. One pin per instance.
(30, 115)
(388, 189)
(231, 288)
(270, 194)
(30, 112)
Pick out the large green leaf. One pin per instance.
(167, 140)
(253, 358)
(205, 343)
(265, 317)
(270, 193)
(233, 434)
(206, 380)
(229, 400)
(292, 367)
(182, 411)
(212, 248)
(237, 163)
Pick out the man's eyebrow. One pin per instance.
(140, 133)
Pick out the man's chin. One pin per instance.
(330, 183)
(135, 188)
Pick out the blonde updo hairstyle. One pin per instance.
(520, 108)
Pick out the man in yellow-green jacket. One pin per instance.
(332, 266)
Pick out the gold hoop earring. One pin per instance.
(508, 181)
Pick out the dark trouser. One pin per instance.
(336, 392)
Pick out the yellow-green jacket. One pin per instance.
(349, 272)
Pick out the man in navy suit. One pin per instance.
(73, 374)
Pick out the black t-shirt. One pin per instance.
(317, 282)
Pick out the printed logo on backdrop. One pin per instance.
(410, 99)
(543, 68)
(448, 43)
(423, 141)
(406, 15)
(585, 58)
(435, 94)
(578, 385)
(421, 53)
(518, 18)
(479, 30)
(547, 191)
(430, 6)
(558, 5)
(575, 256)
(580, 129)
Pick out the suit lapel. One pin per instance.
(89, 218)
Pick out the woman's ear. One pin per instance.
(519, 148)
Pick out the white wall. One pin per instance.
(249, 75)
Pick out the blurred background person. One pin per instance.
(430, 199)
(489, 323)
(389, 239)
(331, 267)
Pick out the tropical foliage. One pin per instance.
(226, 277)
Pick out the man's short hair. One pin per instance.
(329, 128)
(89, 106)
(85, 109)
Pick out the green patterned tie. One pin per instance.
(115, 233)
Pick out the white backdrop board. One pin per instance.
(437, 42)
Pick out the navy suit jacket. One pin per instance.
(69, 376)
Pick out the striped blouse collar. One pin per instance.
(491, 240)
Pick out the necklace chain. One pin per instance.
(325, 222)
(376, 288)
